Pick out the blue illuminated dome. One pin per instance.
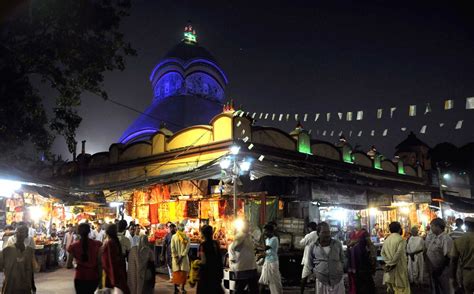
(188, 89)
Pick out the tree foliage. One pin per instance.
(67, 45)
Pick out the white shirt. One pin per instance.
(29, 242)
(309, 239)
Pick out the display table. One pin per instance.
(47, 256)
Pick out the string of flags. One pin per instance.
(358, 115)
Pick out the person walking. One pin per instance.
(16, 261)
(458, 232)
(86, 252)
(361, 256)
(141, 268)
(415, 249)
(308, 239)
(68, 240)
(394, 255)
(271, 269)
(113, 261)
(180, 260)
(125, 243)
(166, 250)
(211, 269)
(437, 257)
(462, 260)
(326, 260)
(242, 262)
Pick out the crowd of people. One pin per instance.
(120, 257)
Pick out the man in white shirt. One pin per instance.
(309, 239)
(68, 240)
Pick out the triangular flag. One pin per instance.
(332, 133)
(441, 125)
(340, 133)
(340, 115)
(243, 132)
(305, 117)
(239, 123)
(287, 116)
(328, 116)
(372, 133)
(316, 117)
(273, 116)
(324, 133)
(428, 108)
(359, 134)
(309, 132)
(253, 115)
(245, 139)
(459, 125)
(266, 115)
(379, 113)
(470, 103)
(448, 104)
(250, 146)
(261, 158)
(392, 111)
(260, 116)
(280, 117)
(247, 114)
(360, 115)
(242, 114)
(412, 110)
(349, 116)
(236, 113)
(403, 129)
(296, 117)
(423, 129)
(350, 133)
(385, 132)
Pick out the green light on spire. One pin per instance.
(190, 34)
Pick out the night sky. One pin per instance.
(283, 57)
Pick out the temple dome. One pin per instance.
(188, 89)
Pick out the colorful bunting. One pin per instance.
(379, 113)
(360, 115)
(385, 132)
(316, 117)
(412, 110)
(428, 108)
(470, 103)
(448, 104)
(359, 134)
(459, 125)
(340, 115)
(392, 111)
(423, 129)
(280, 117)
(349, 116)
(273, 116)
(305, 117)
(328, 116)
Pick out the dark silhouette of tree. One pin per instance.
(67, 45)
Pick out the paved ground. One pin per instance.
(60, 281)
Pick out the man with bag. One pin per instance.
(395, 258)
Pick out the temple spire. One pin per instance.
(190, 36)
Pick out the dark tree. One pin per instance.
(65, 45)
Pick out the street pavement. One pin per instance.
(60, 281)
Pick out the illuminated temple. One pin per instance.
(188, 89)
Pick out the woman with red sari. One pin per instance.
(113, 261)
(362, 262)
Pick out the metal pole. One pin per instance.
(234, 176)
(440, 190)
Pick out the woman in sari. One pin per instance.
(113, 261)
(362, 262)
(211, 269)
(141, 268)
